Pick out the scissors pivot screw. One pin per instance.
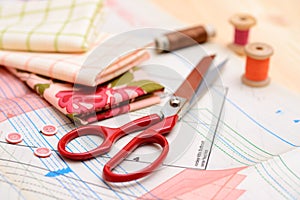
(175, 102)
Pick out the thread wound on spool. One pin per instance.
(257, 64)
(257, 70)
(242, 24)
(241, 37)
(184, 38)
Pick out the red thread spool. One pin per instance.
(242, 24)
(257, 64)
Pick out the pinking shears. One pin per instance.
(154, 126)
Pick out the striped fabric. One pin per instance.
(75, 68)
(49, 26)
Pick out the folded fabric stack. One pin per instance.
(51, 46)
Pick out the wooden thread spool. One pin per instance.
(257, 64)
(242, 24)
(184, 38)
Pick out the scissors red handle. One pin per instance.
(182, 100)
(152, 135)
(109, 135)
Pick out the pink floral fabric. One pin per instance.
(102, 98)
(85, 104)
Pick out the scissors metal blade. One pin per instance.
(209, 79)
(188, 88)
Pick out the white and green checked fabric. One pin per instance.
(49, 26)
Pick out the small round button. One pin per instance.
(42, 152)
(14, 138)
(49, 129)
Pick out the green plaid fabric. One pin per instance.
(49, 26)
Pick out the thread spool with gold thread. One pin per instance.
(257, 64)
(242, 24)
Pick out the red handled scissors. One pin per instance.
(156, 126)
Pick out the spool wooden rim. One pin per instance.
(242, 21)
(255, 83)
(239, 49)
(258, 50)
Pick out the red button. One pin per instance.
(14, 138)
(42, 152)
(49, 130)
